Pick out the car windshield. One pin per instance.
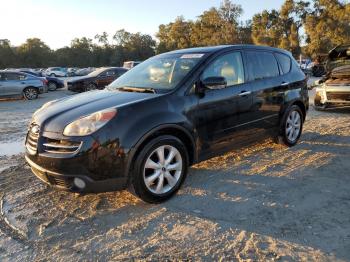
(160, 72)
(97, 72)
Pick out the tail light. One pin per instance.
(45, 82)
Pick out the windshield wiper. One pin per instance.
(137, 89)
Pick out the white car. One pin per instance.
(56, 71)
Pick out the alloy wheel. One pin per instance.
(52, 86)
(90, 87)
(293, 125)
(163, 169)
(30, 93)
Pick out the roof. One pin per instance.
(214, 49)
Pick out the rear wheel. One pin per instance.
(52, 75)
(30, 93)
(161, 168)
(292, 125)
(52, 86)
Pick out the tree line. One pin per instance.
(302, 27)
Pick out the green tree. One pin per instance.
(7, 55)
(34, 53)
(176, 35)
(327, 25)
(266, 28)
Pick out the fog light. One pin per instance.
(79, 183)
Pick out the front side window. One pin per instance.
(261, 65)
(229, 66)
(161, 72)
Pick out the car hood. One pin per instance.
(61, 112)
(341, 72)
(338, 56)
(79, 79)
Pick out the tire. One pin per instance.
(52, 86)
(150, 167)
(292, 125)
(53, 75)
(318, 105)
(90, 87)
(30, 93)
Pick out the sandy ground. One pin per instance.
(263, 203)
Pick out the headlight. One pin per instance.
(89, 124)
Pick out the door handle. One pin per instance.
(245, 93)
(284, 84)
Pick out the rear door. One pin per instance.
(14, 83)
(2, 85)
(267, 85)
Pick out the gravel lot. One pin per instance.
(263, 203)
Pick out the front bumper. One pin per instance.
(100, 166)
(67, 182)
(332, 96)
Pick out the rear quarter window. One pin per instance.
(285, 62)
(261, 65)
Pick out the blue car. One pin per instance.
(53, 83)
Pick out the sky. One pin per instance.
(57, 22)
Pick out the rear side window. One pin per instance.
(11, 76)
(284, 61)
(261, 65)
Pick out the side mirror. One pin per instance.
(214, 82)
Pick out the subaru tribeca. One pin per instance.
(171, 111)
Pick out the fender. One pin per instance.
(135, 147)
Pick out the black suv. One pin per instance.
(169, 112)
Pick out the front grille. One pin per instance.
(55, 146)
(61, 182)
(338, 96)
(32, 139)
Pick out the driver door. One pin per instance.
(218, 110)
(105, 78)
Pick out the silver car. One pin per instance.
(17, 84)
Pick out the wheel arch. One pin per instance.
(301, 105)
(35, 87)
(168, 129)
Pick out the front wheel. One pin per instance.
(90, 87)
(52, 86)
(30, 93)
(161, 168)
(292, 125)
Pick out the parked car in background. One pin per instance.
(18, 84)
(55, 71)
(53, 83)
(173, 110)
(71, 71)
(131, 64)
(98, 79)
(334, 89)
